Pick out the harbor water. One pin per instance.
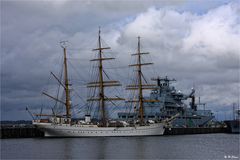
(199, 146)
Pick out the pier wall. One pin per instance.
(180, 131)
(30, 131)
(20, 132)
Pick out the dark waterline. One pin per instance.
(201, 146)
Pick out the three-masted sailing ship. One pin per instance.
(63, 126)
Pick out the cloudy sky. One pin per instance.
(196, 42)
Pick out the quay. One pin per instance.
(200, 130)
(20, 131)
(29, 131)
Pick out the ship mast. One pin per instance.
(141, 111)
(101, 84)
(65, 85)
(140, 86)
(101, 87)
(67, 91)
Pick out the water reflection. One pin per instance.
(104, 148)
(67, 148)
(212, 146)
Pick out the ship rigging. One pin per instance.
(64, 126)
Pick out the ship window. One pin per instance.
(123, 116)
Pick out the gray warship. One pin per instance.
(170, 105)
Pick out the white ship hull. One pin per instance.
(65, 130)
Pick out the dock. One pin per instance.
(200, 130)
(30, 131)
(18, 131)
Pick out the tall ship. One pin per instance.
(171, 104)
(63, 125)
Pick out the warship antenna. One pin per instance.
(140, 87)
(101, 83)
